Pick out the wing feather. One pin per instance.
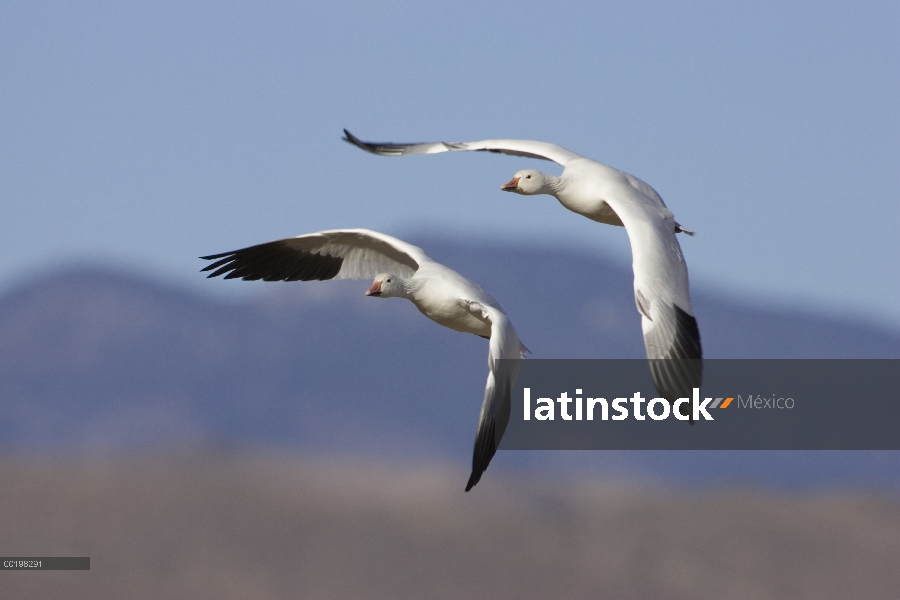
(674, 352)
(661, 287)
(502, 374)
(526, 148)
(332, 254)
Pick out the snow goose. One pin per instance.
(607, 195)
(400, 270)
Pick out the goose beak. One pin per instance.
(375, 290)
(511, 186)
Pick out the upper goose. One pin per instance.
(404, 271)
(607, 195)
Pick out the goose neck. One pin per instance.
(553, 185)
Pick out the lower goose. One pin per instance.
(400, 270)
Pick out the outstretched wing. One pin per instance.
(671, 335)
(501, 378)
(527, 148)
(332, 254)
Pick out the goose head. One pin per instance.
(386, 285)
(527, 182)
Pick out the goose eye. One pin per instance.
(528, 177)
(388, 280)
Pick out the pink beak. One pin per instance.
(512, 186)
(375, 290)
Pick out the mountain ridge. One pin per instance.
(93, 358)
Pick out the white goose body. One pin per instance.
(404, 271)
(434, 283)
(607, 195)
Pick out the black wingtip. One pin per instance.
(687, 336)
(676, 374)
(485, 448)
(377, 148)
(274, 261)
(215, 256)
(352, 139)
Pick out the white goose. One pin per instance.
(607, 195)
(404, 271)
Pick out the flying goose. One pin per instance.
(607, 195)
(404, 271)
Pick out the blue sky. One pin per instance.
(149, 134)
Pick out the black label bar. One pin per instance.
(45, 563)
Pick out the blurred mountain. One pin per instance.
(93, 359)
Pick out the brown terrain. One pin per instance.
(205, 525)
